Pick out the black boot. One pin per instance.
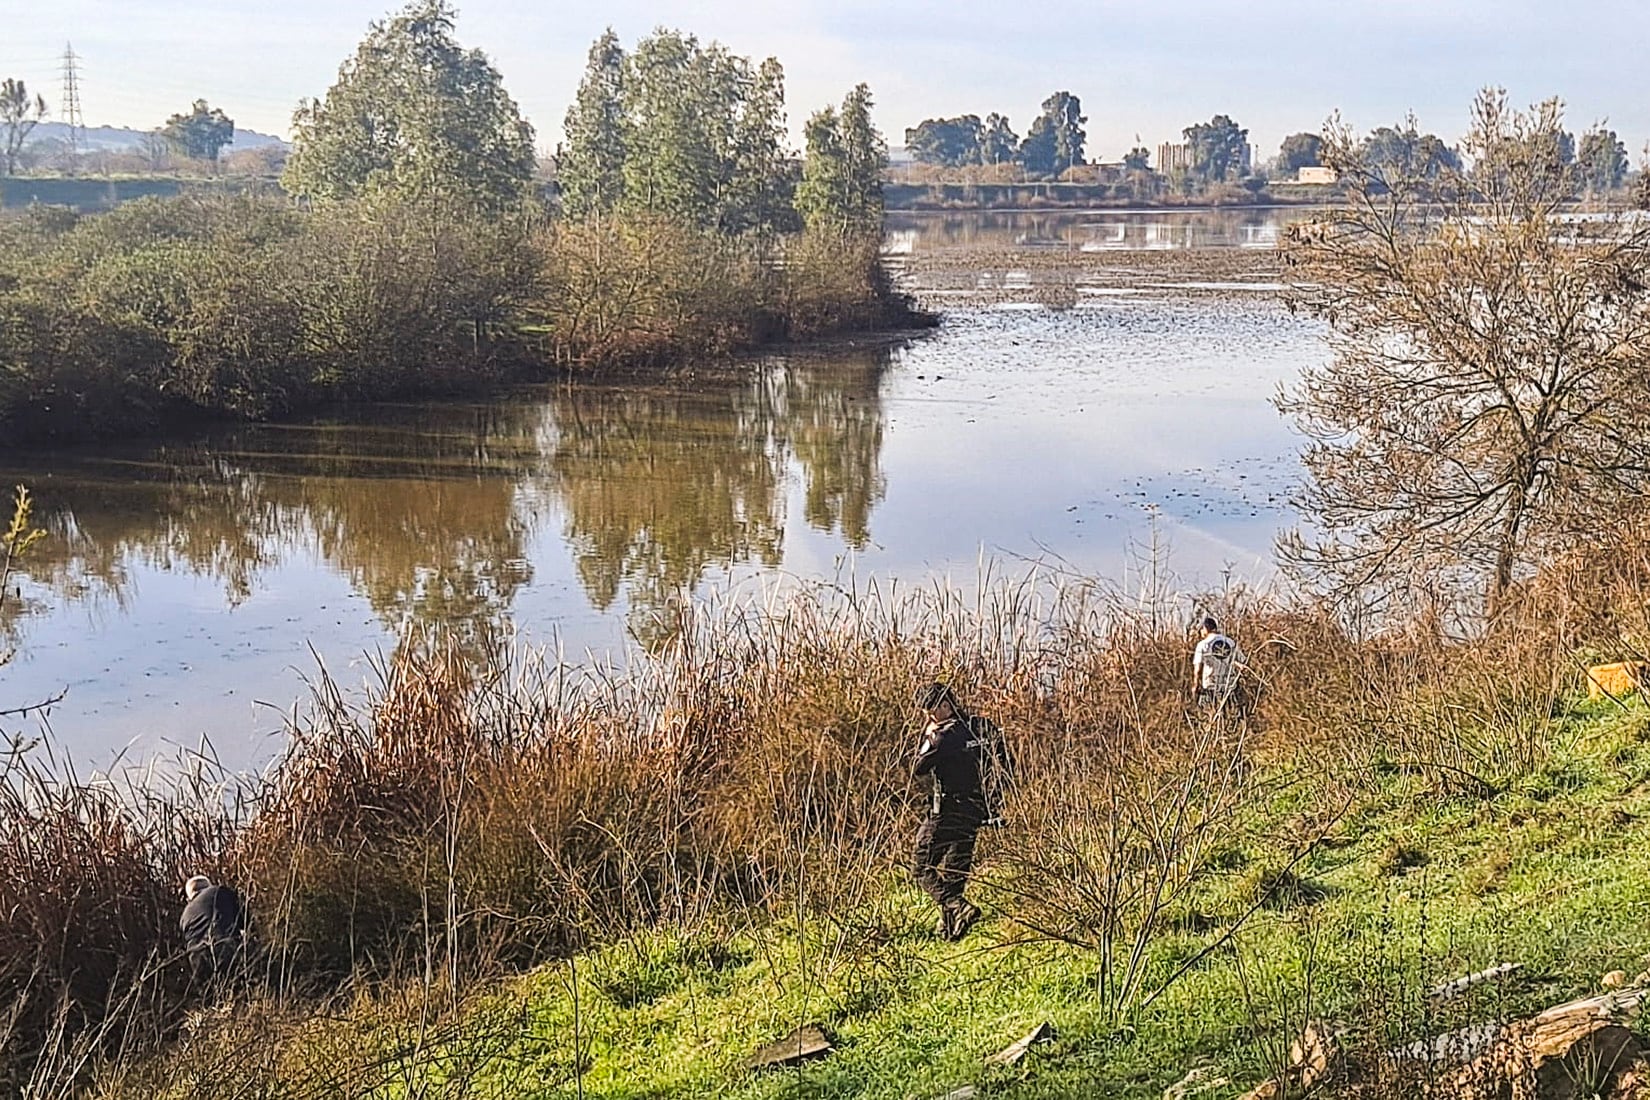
(961, 918)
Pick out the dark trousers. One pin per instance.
(213, 961)
(945, 852)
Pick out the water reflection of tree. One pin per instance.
(426, 528)
(428, 510)
(418, 511)
(662, 483)
(1065, 230)
(835, 423)
(171, 508)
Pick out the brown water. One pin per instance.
(188, 587)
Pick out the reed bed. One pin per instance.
(470, 815)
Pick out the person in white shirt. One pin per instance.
(1217, 666)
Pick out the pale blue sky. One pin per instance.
(1277, 66)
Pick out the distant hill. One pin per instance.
(115, 139)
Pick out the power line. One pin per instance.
(71, 99)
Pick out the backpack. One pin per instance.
(996, 764)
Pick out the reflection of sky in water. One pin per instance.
(191, 581)
(1092, 230)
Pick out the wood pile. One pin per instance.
(1574, 1051)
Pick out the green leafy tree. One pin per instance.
(1404, 152)
(590, 169)
(201, 134)
(20, 113)
(704, 133)
(1138, 159)
(1055, 142)
(999, 144)
(1217, 148)
(1434, 157)
(949, 142)
(1299, 151)
(867, 158)
(822, 196)
(841, 188)
(416, 114)
(1602, 160)
(759, 196)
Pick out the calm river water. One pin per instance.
(186, 583)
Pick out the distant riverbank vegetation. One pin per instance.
(966, 162)
(417, 252)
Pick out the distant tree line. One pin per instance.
(1052, 145)
(200, 134)
(1215, 151)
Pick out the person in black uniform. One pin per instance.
(213, 926)
(968, 760)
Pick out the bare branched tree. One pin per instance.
(1486, 398)
(20, 113)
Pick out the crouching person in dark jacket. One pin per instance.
(214, 928)
(969, 761)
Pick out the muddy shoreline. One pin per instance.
(989, 275)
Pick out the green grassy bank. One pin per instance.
(1397, 883)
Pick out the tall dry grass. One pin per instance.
(469, 816)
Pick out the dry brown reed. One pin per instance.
(473, 814)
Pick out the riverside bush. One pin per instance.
(241, 306)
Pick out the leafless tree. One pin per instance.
(155, 151)
(1486, 400)
(20, 113)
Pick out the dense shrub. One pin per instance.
(242, 306)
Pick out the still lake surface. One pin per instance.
(189, 586)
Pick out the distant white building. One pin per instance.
(1316, 176)
(1172, 158)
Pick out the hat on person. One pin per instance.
(933, 695)
(195, 885)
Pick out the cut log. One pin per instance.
(1009, 1055)
(1452, 1048)
(1198, 1080)
(804, 1044)
(1459, 986)
(1624, 1004)
(1569, 1051)
(1578, 1049)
